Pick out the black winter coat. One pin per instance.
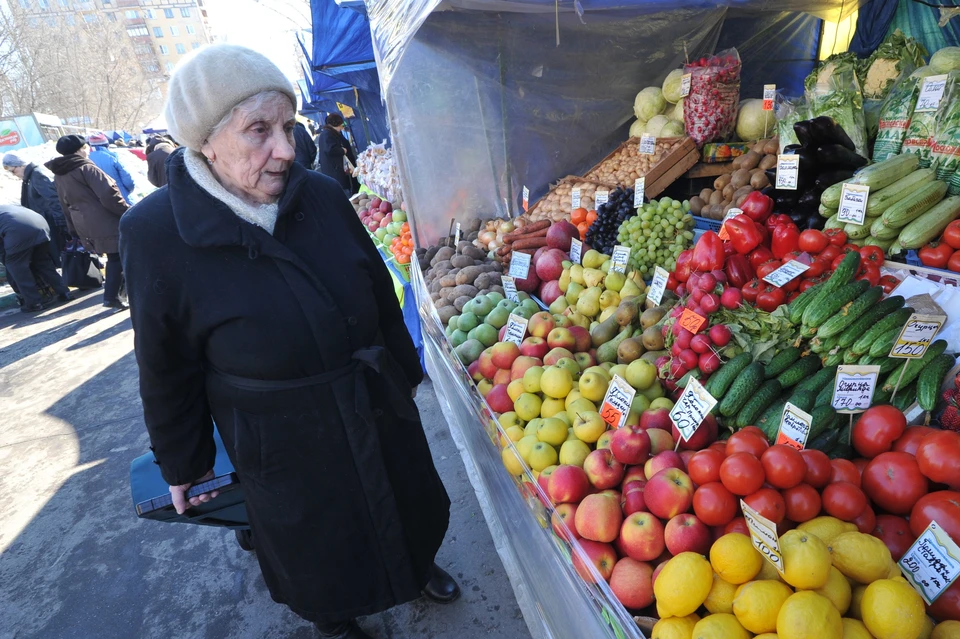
(39, 193)
(332, 144)
(295, 346)
(91, 201)
(21, 229)
(306, 150)
(157, 163)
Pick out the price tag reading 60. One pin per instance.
(691, 409)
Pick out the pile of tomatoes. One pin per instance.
(402, 246)
(946, 252)
(582, 219)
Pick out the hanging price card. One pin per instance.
(853, 388)
(932, 563)
(526, 198)
(685, 81)
(456, 236)
(616, 403)
(931, 93)
(658, 285)
(520, 265)
(516, 329)
(763, 533)
(692, 321)
(916, 335)
(769, 93)
(510, 288)
(693, 406)
(785, 273)
(788, 172)
(575, 199)
(648, 144)
(732, 213)
(794, 427)
(600, 197)
(576, 250)
(620, 258)
(853, 203)
(638, 188)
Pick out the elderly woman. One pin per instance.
(260, 304)
(39, 193)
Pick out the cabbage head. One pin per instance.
(637, 128)
(649, 103)
(671, 86)
(656, 124)
(945, 60)
(678, 111)
(673, 129)
(753, 123)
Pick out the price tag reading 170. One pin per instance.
(510, 288)
(916, 335)
(788, 172)
(576, 251)
(853, 203)
(620, 258)
(690, 410)
(932, 563)
(763, 533)
(658, 285)
(520, 265)
(516, 329)
(616, 403)
(853, 388)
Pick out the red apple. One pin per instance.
(550, 291)
(668, 493)
(562, 338)
(602, 468)
(686, 533)
(534, 347)
(503, 354)
(641, 536)
(656, 418)
(632, 583)
(598, 518)
(738, 525)
(701, 438)
(486, 366)
(555, 355)
(629, 446)
(565, 513)
(499, 399)
(543, 480)
(632, 500)
(584, 360)
(660, 440)
(474, 369)
(502, 377)
(583, 343)
(661, 461)
(600, 555)
(656, 571)
(521, 365)
(530, 283)
(550, 265)
(633, 473)
(568, 484)
(541, 324)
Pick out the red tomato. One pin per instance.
(837, 237)
(751, 290)
(704, 467)
(944, 506)
(844, 470)
(720, 446)
(836, 261)
(813, 241)
(951, 234)
(894, 482)
(939, 457)
(785, 526)
(954, 262)
(738, 525)
(714, 505)
(869, 271)
(843, 500)
(860, 463)
(889, 282)
(802, 503)
(871, 253)
(829, 254)
(747, 442)
(910, 440)
(947, 605)
(768, 503)
(878, 428)
(741, 473)
(866, 520)
(935, 254)
(895, 533)
(755, 430)
(770, 298)
(818, 468)
(783, 466)
(768, 267)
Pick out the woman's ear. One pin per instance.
(208, 152)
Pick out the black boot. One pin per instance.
(441, 587)
(341, 630)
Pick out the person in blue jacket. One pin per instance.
(108, 162)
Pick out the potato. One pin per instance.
(468, 275)
(696, 205)
(446, 311)
(721, 182)
(448, 280)
(465, 290)
(750, 160)
(743, 191)
(737, 161)
(740, 177)
(759, 180)
(772, 147)
(728, 193)
(474, 252)
(725, 208)
(461, 301)
(768, 162)
(484, 280)
(461, 261)
(716, 197)
(443, 266)
(759, 146)
(442, 255)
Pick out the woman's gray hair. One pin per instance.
(12, 160)
(253, 103)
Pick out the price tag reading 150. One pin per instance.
(916, 336)
(788, 172)
(690, 410)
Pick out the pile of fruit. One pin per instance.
(656, 235)
(602, 234)
(944, 253)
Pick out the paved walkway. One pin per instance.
(76, 563)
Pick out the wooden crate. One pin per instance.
(665, 146)
(681, 164)
(564, 197)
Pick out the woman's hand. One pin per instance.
(179, 494)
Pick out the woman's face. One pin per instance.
(252, 154)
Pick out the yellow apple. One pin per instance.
(484, 386)
(593, 386)
(564, 417)
(582, 405)
(641, 374)
(531, 379)
(552, 431)
(551, 407)
(515, 433)
(515, 389)
(524, 445)
(599, 369)
(604, 441)
(532, 426)
(661, 402)
(573, 396)
(527, 406)
(589, 426)
(556, 382)
(512, 463)
(509, 419)
(571, 436)
(573, 452)
(619, 369)
(542, 455)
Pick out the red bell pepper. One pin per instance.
(738, 270)
(751, 290)
(757, 206)
(837, 237)
(758, 256)
(770, 298)
(684, 265)
(776, 220)
(786, 238)
(708, 254)
(743, 234)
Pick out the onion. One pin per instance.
(506, 227)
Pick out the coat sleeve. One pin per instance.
(125, 178)
(331, 145)
(169, 356)
(47, 193)
(106, 191)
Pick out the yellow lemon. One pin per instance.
(807, 615)
(891, 609)
(856, 597)
(854, 629)
(767, 635)
(826, 528)
(928, 628)
(757, 604)
(860, 556)
(806, 560)
(722, 626)
(734, 558)
(946, 630)
(894, 570)
(683, 585)
(769, 571)
(837, 590)
(674, 628)
(721, 596)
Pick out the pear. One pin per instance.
(607, 312)
(591, 259)
(608, 299)
(614, 281)
(559, 305)
(564, 280)
(629, 350)
(605, 267)
(579, 319)
(592, 277)
(589, 302)
(573, 292)
(630, 289)
(651, 316)
(627, 312)
(576, 274)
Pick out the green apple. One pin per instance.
(661, 402)
(498, 317)
(458, 337)
(641, 374)
(380, 233)
(486, 334)
(524, 446)
(573, 452)
(467, 322)
(527, 406)
(399, 215)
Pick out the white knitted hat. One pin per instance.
(205, 86)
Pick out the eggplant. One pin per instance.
(771, 176)
(826, 131)
(811, 196)
(808, 162)
(831, 177)
(769, 190)
(785, 201)
(815, 222)
(804, 132)
(799, 218)
(839, 156)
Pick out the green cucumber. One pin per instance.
(823, 309)
(824, 418)
(850, 357)
(721, 380)
(800, 370)
(782, 361)
(824, 441)
(746, 383)
(796, 308)
(905, 397)
(804, 400)
(761, 400)
(825, 396)
(912, 367)
(843, 274)
(849, 313)
(930, 379)
(769, 421)
(896, 319)
(817, 381)
(834, 359)
(841, 450)
(884, 343)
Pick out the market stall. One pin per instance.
(663, 266)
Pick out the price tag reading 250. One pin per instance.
(616, 403)
(917, 333)
(693, 406)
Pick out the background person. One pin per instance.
(38, 193)
(306, 150)
(334, 147)
(157, 153)
(108, 162)
(25, 253)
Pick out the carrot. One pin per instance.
(529, 243)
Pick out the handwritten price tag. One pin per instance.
(794, 427)
(658, 285)
(620, 259)
(788, 172)
(516, 329)
(691, 321)
(732, 213)
(575, 199)
(510, 288)
(648, 145)
(616, 403)
(785, 273)
(916, 335)
(769, 94)
(520, 265)
(576, 251)
(932, 563)
(931, 93)
(763, 533)
(639, 186)
(526, 198)
(600, 197)
(853, 203)
(685, 81)
(853, 388)
(693, 406)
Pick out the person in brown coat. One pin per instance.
(93, 205)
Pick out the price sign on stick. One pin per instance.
(575, 198)
(510, 288)
(576, 251)
(931, 93)
(600, 197)
(692, 321)
(638, 188)
(853, 388)
(769, 93)
(732, 213)
(693, 406)
(785, 273)
(932, 563)
(520, 265)
(516, 329)
(916, 336)
(788, 172)
(685, 82)
(526, 198)
(763, 533)
(794, 427)
(648, 145)
(658, 285)
(853, 203)
(456, 236)
(616, 403)
(620, 258)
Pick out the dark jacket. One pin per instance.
(333, 146)
(91, 201)
(21, 229)
(306, 150)
(39, 193)
(307, 372)
(157, 164)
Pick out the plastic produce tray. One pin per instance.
(706, 224)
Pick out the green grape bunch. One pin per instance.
(660, 231)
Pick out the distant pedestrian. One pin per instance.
(334, 148)
(38, 193)
(25, 253)
(305, 148)
(157, 153)
(108, 162)
(93, 207)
